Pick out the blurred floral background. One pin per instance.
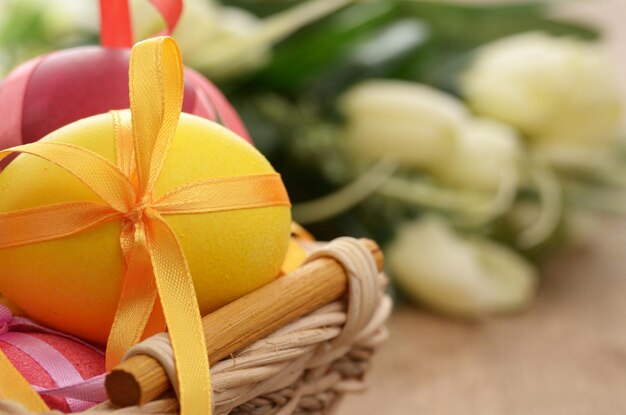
(471, 140)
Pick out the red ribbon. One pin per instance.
(170, 10)
(116, 24)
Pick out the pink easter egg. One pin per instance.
(67, 372)
(59, 88)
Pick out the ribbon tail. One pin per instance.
(156, 322)
(137, 299)
(104, 178)
(14, 387)
(124, 145)
(156, 97)
(184, 323)
(51, 222)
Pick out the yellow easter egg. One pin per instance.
(73, 284)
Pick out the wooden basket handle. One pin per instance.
(141, 378)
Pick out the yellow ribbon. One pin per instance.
(158, 288)
(14, 387)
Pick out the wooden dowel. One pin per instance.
(141, 378)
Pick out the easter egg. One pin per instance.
(54, 90)
(49, 360)
(59, 351)
(73, 284)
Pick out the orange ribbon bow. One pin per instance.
(158, 288)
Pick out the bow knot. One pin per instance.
(138, 212)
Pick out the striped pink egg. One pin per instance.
(68, 373)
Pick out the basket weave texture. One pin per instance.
(302, 368)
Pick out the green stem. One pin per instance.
(613, 176)
(281, 25)
(472, 209)
(338, 202)
(599, 200)
(551, 202)
(225, 57)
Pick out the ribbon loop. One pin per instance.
(156, 99)
(97, 173)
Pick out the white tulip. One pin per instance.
(233, 48)
(211, 37)
(560, 92)
(228, 41)
(198, 23)
(484, 151)
(414, 124)
(463, 276)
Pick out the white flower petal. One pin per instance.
(556, 90)
(460, 276)
(485, 150)
(414, 124)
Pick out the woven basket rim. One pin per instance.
(308, 364)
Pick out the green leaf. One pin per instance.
(24, 26)
(309, 52)
(262, 8)
(467, 26)
(377, 56)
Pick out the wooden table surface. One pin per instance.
(565, 355)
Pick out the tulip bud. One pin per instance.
(458, 275)
(413, 124)
(234, 47)
(484, 151)
(198, 22)
(215, 39)
(558, 91)
(225, 41)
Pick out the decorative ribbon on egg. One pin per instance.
(76, 393)
(157, 289)
(116, 31)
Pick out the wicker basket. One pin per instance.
(306, 366)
